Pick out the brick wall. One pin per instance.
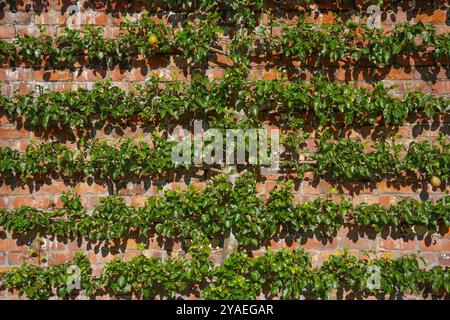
(428, 76)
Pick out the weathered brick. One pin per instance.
(435, 17)
(56, 187)
(100, 257)
(314, 244)
(441, 87)
(90, 188)
(430, 244)
(39, 202)
(16, 18)
(13, 133)
(18, 258)
(12, 190)
(360, 243)
(399, 244)
(59, 257)
(52, 75)
(9, 244)
(7, 32)
(88, 75)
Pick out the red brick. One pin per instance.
(437, 16)
(400, 74)
(130, 254)
(6, 190)
(384, 200)
(90, 188)
(13, 133)
(18, 258)
(41, 203)
(82, 18)
(47, 75)
(31, 31)
(391, 244)
(45, 18)
(322, 187)
(314, 244)
(56, 187)
(7, 32)
(131, 244)
(429, 244)
(11, 245)
(101, 19)
(25, 74)
(59, 257)
(3, 202)
(91, 75)
(16, 18)
(441, 87)
(360, 244)
(100, 257)
(120, 75)
(78, 245)
(215, 74)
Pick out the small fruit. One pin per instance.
(334, 190)
(153, 40)
(435, 182)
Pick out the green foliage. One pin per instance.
(401, 275)
(148, 278)
(197, 39)
(328, 102)
(340, 160)
(347, 159)
(339, 40)
(113, 161)
(201, 34)
(135, 38)
(38, 283)
(221, 208)
(432, 159)
(284, 274)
